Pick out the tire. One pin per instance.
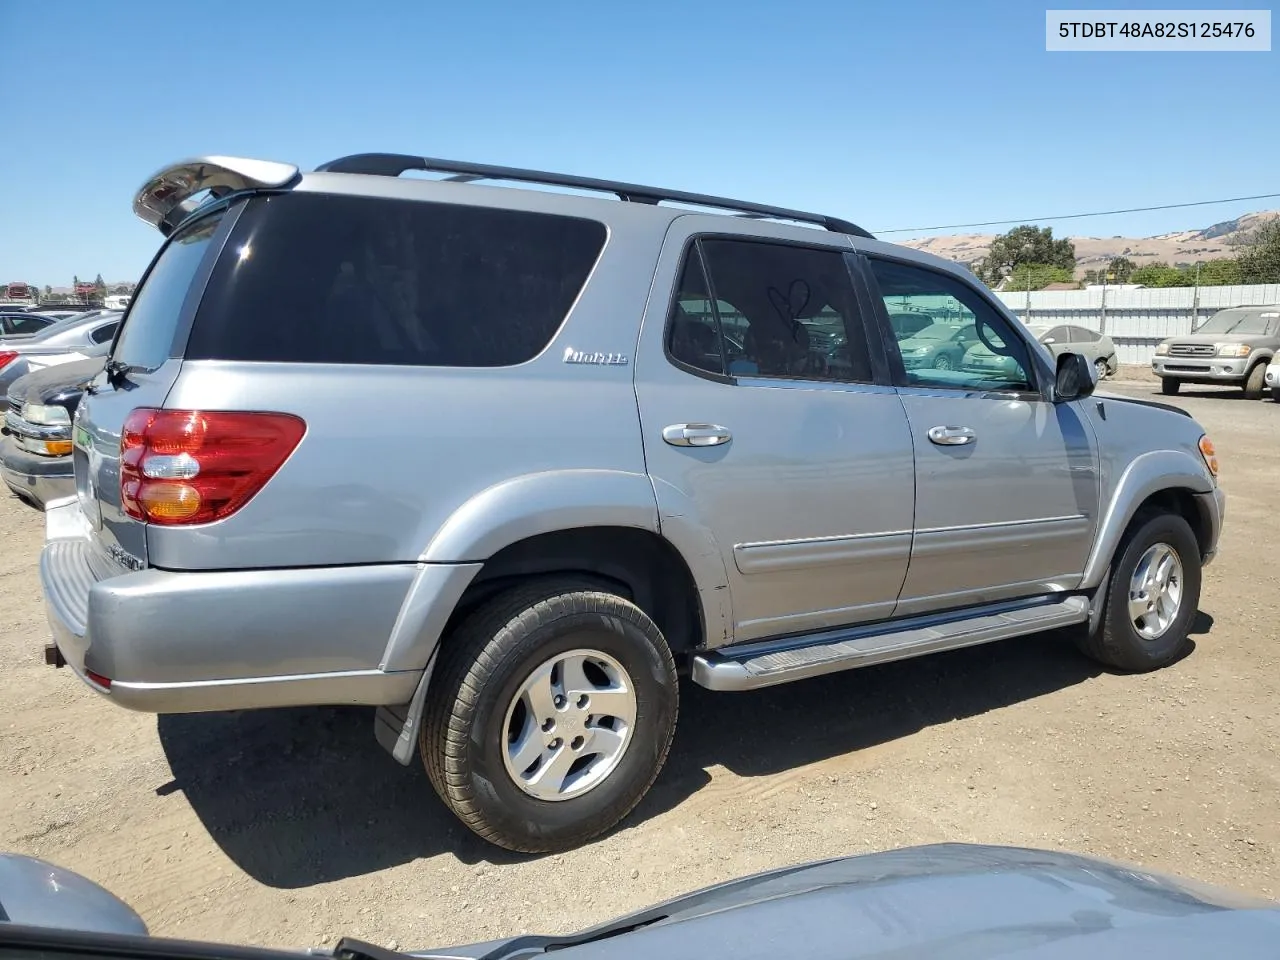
(1275, 394)
(1255, 382)
(476, 697)
(1117, 642)
(1169, 387)
(942, 362)
(1100, 366)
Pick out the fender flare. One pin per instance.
(528, 506)
(1147, 474)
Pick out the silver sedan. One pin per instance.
(75, 339)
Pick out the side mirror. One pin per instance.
(1048, 340)
(1074, 379)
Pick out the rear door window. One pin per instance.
(314, 278)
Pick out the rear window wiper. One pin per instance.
(117, 371)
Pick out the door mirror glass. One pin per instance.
(1074, 378)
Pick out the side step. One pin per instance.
(749, 666)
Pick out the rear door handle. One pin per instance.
(951, 436)
(696, 435)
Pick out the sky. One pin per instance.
(893, 115)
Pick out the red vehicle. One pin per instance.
(20, 293)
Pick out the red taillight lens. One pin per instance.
(6, 357)
(197, 466)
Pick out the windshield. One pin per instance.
(1241, 322)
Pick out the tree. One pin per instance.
(1159, 274)
(1022, 246)
(48, 290)
(1260, 261)
(100, 284)
(1036, 276)
(1120, 270)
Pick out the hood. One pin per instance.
(38, 894)
(1212, 338)
(912, 343)
(1139, 401)
(937, 902)
(56, 384)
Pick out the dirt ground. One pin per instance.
(292, 828)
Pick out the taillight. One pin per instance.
(6, 358)
(197, 466)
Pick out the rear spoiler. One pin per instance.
(170, 196)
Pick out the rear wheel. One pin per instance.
(1151, 596)
(1169, 387)
(1100, 365)
(942, 362)
(1275, 394)
(1255, 382)
(551, 715)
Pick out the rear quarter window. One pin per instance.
(314, 278)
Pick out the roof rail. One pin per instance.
(394, 164)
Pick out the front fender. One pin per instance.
(1145, 475)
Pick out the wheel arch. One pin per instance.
(1167, 480)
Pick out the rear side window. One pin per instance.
(313, 278)
(29, 324)
(105, 332)
(147, 338)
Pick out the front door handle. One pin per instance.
(696, 435)
(951, 436)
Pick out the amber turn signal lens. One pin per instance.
(57, 448)
(170, 501)
(1210, 456)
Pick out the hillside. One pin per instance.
(1188, 246)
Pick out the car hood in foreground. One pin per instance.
(944, 901)
(55, 384)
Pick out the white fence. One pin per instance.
(1137, 319)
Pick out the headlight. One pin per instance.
(1234, 349)
(1162, 350)
(920, 351)
(45, 415)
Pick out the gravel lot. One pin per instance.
(292, 828)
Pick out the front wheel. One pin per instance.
(942, 362)
(1255, 382)
(1151, 597)
(1169, 387)
(1275, 394)
(551, 715)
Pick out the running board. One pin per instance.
(749, 666)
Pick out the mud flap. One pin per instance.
(396, 727)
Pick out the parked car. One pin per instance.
(1233, 347)
(62, 343)
(539, 485)
(906, 323)
(1097, 348)
(941, 346)
(23, 324)
(1272, 378)
(940, 901)
(35, 446)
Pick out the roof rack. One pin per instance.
(394, 164)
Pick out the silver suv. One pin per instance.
(505, 463)
(1231, 348)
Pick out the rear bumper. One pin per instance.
(188, 642)
(36, 479)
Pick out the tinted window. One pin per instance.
(769, 310)
(311, 278)
(104, 333)
(1057, 335)
(993, 358)
(28, 324)
(147, 339)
